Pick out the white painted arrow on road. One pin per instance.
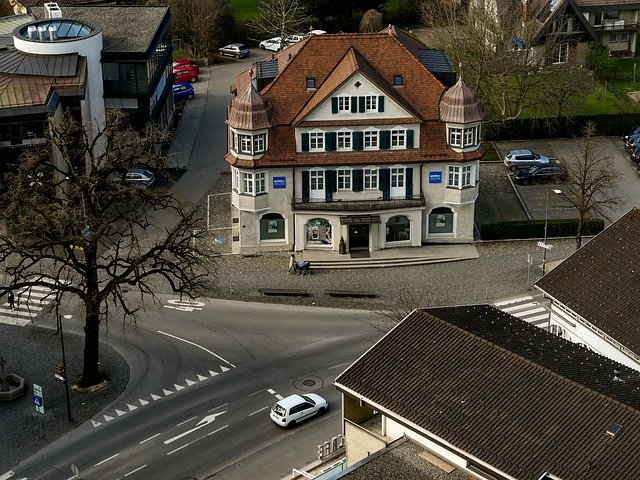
(202, 423)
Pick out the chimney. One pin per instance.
(42, 33)
(53, 33)
(32, 32)
(52, 10)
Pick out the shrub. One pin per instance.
(535, 229)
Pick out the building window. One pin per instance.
(370, 138)
(624, 36)
(344, 179)
(440, 221)
(247, 183)
(371, 103)
(398, 81)
(235, 141)
(245, 143)
(316, 180)
(316, 141)
(344, 104)
(455, 137)
(613, 38)
(397, 177)
(272, 227)
(344, 140)
(261, 182)
(561, 53)
(471, 136)
(259, 143)
(319, 232)
(311, 82)
(597, 19)
(398, 138)
(460, 176)
(398, 228)
(370, 178)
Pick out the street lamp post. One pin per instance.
(546, 220)
(64, 363)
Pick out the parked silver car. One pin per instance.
(516, 159)
(238, 50)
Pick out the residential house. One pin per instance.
(85, 60)
(592, 294)
(495, 397)
(367, 138)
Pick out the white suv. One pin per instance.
(516, 159)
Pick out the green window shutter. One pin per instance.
(357, 176)
(409, 138)
(354, 104)
(305, 142)
(380, 103)
(357, 140)
(331, 184)
(385, 183)
(408, 181)
(385, 140)
(330, 141)
(305, 186)
(361, 104)
(334, 104)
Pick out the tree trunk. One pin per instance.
(90, 372)
(579, 233)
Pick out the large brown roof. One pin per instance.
(599, 281)
(504, 392)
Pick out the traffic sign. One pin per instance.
(59, 372)
(545, 245)
(37, 398)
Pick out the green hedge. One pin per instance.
(535, 229)
(560, 127)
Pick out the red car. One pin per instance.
(185, 74)
(185, 62)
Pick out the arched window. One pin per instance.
(272, 227)
(398, 229)
(319, 232)
(440, 221)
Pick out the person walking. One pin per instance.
(292, 264)
(12, 301)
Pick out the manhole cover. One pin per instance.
(308, 383)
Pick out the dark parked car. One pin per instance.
(540, 173)
(238, 50)
(632, 142)
(633, 132)
(635, 154)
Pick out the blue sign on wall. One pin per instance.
(279, 182)
(435, 177)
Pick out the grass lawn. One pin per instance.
(245, 10)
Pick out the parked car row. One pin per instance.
(276, 44)
(185, 72)
(531, 167)
(632, 145)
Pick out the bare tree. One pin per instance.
(371, 21)
(75, 225)
(592, 184)
(279, 18)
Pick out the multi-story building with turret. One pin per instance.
(365, 138)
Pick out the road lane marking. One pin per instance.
(182, 423)
(338, 366)
(196, 345)
(202, 423)
(219, 406)
(196, 440)
(150, 438)
(9, 474)
(255, 393)
(258, 411)
(106, 459)
(279, 397)
(134, 471)
(271, 391)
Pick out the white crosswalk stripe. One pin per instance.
(29, 302)
(532, 310)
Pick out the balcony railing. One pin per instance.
(357, 205)
(616, 25)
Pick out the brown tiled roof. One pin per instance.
(460, 105)
(504, 392)
(599, 281)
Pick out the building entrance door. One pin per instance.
(359, 237)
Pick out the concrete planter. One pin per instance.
(16, 388)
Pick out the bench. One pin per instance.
(289, 292)
(350, 293)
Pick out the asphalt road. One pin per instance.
(202, 383)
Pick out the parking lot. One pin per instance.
(533, 197)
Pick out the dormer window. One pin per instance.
(344, 104)
(249, 144)
(311, 83)
(463, 136)
(398, 81)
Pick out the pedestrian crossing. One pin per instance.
(28, 303)
(532, 310)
